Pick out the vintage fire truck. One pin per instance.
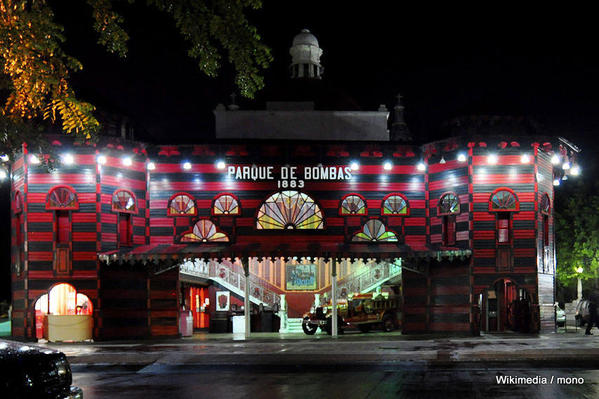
(363, 311)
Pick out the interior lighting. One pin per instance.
(388, 165)
(421, 166)
(102, 159)
(221, 164)
(354, 165)
(461, 157)
(566, 165)
(555, 159)
(151, 166)
(4, 158)
(34, 159)
(68, 159)
(186, 165)
(525, 158)
(556, 182)
(127, 161)
(492, 159)
(575, 170)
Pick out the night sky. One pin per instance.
(446, 62)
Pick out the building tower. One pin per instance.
(399, 129)
(305, 56)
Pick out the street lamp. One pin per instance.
(579, 270)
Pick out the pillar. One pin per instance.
(334, 297)
(246, 296)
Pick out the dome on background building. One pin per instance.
(305, 56)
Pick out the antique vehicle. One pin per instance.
(363, 311)
(28, 371)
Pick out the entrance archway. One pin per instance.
(508, 307)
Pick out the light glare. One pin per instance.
(354, 165)
(421, 166)
(388, 165)
(102, 159)
(575, 171)
(492, 159)
(461, 157)
(566, 165)
(34, 159)
(186, 165)
(68, 159)
(556, 182)
(151, 166)
(555, 159)
(220, 164)
(525, 158)
(127, 161)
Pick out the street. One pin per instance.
(171, 382)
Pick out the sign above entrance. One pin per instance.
(289, 176)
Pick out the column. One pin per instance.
(246, 296)
(334, 296)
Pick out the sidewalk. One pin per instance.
(349, 350)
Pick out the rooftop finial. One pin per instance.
(399, 129)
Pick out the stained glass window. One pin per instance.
(124, 201)
(181, 204)
(449, 204)
(374, 230)
(545, 204)
(225, 204)
(204, 231)
(289, 210)
(62, 198)
(503, 200)
(353, 205)
(395, 204)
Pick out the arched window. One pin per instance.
(503, 200)
(545, 205)
(204, 231)
(62, 300)
(374, 231)
(123, 202)
(181, 204)
(226, 204)
(289, 210)
(62, 198)
(395, 205)
(447, 208)
(352, 204)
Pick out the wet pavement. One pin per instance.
(413, 382)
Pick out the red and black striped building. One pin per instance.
(468, 219)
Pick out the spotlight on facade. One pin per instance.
(354, 165)
(186, 165)
(388, 165)
(4, 158)
(421, 166)
(33, 159)
(461, 157)
(127, 161)
(3, 174)
(221, 164)
(566, 165)
(556, 182)
(68, 159)
(492, 159)
(525, 158)
(442, 161)
(575, 170)
(555, 159)
(102, 159)
(151, 166)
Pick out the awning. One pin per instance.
(266, 248)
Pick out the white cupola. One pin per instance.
(305, 56)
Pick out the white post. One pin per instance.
(283, 315)
(316, 300)
(246, 297)
(579, 289)
(334, 296)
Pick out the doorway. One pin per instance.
(507, 307)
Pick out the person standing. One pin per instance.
(593, 298)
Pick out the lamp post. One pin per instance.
(579, 270)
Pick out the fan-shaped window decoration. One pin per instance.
(204, 231)
(124, 201)
(449, 204)
(503, 200)
(352, 204)
(395, 204)
(374, 230)
(18, 202)
(225, 204)
(62, 198)
(545, 204)
(181, 204)
(289, 210)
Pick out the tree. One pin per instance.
(577, 232)
(37, 68)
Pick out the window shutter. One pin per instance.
(63, 227)
(125, 229)
(503, 231)
(62, 261)
(450, 230)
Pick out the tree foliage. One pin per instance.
(38, 69)
(577, 232)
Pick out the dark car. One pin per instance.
(582, 312)
(28, 371)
